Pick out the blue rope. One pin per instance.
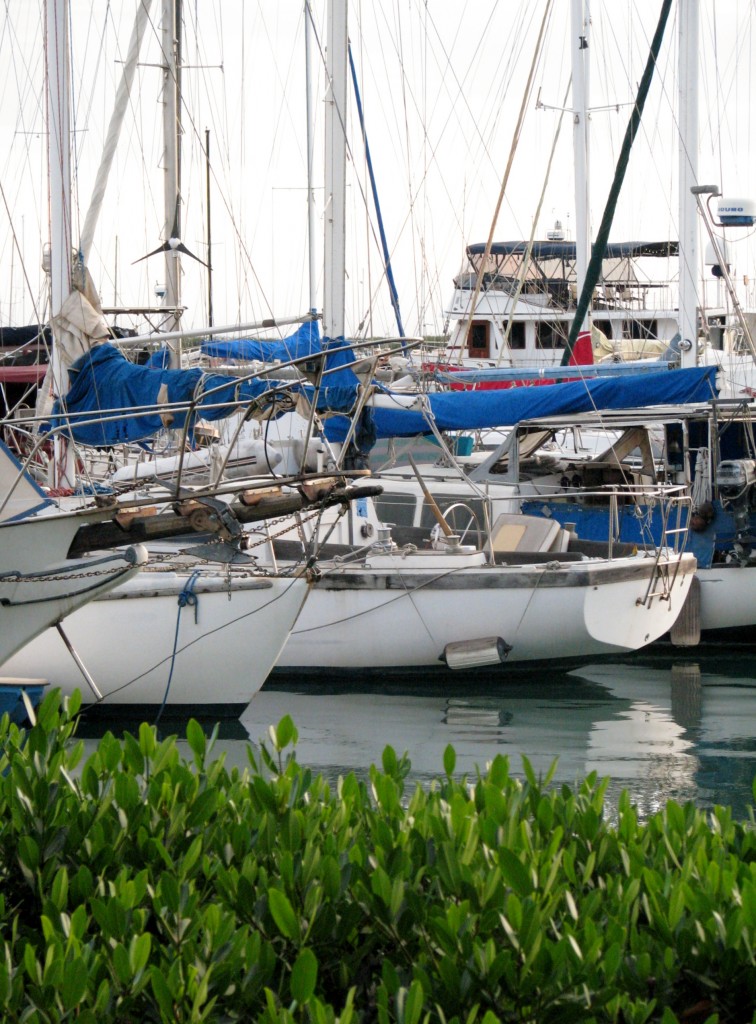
(186, 599)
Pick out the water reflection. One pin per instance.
(660, 725)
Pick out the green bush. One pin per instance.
(137, 886)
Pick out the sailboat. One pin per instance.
(159, 643)
(39, 583)
(520, 596)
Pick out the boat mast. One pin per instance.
(335, 171)
(59, 184)
(209, 238)
(141, 23)
(580, 28)
(171, 180)
(310, 157)
(688, 178)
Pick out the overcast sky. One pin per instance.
(442, 87)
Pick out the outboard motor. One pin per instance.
(736, 483)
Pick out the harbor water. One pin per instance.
(667, 723)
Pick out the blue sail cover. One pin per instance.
(472, 410)
(305, 341)
(103, 379)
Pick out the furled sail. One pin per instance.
(305, 341)
(404, 416)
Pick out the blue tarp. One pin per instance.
(472, 410)
(104, 379)
(305, 341)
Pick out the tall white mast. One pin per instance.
(580, 29)
(310, 157)
(59, 184)
(688, 15)
(170, 156)
(58, 157)
(335, 171)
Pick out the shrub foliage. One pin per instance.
(140, 885)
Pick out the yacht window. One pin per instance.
(458, 518)
(550, 335)
(398, 509)
(716, 331)
(641, 329)
(605, 326)
(516, 333)
(477, 340)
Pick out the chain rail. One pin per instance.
(90, 574)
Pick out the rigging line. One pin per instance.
(365, 171)
(403, 80)
(530, 600)
(199, 639)
(510, 161)
(473, 120)
(385, 604)
(374, 291)
(595, 262)
(18, 250)
(248, 266)
(363, 196)
(666, 188)
(460, 84)
(423, 181)
(526, 258)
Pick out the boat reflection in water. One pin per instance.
(663, 725)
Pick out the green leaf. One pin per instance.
(304, 975)
(121, 965)
(103, 998)
(28, 854)
(202, 808)
(498, 771)
(330, 877)
(5, 983)
(59, 893)
(389, 760)
(389, 977)
(284, 733)
(545, 814)
(147, 740)
(195, 737)
(283, 914)
(191, 856)
(168, 889)
(413, 1004)
(132, 755)
(530, 775)
(514, 872)
(31, 965)
(162, 993)
(450, 760)
(139, 952)
(75, 978)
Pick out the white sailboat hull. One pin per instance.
(401, 617)
(39, 586)
(225, 645)
(728, 596)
